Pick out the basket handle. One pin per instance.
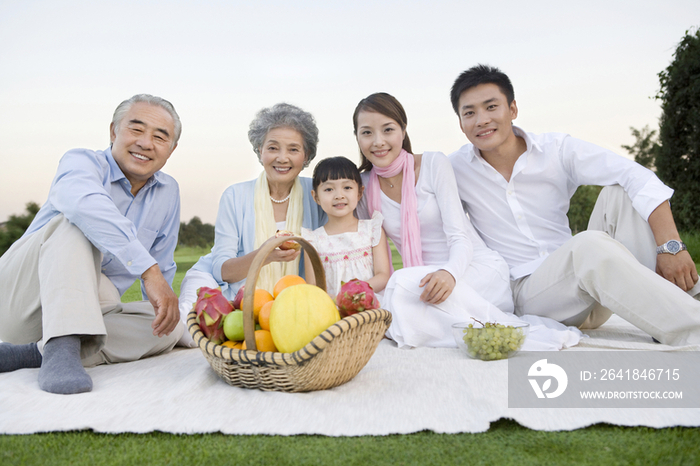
(254, 272)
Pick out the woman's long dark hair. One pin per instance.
(387, 105)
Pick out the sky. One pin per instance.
(589, 69)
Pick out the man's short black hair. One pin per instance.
(481, 74)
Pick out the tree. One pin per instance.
(15, 227)
(196, 234)
(678, 159)
(581, 206)
(645, 148)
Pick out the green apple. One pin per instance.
(233, 326)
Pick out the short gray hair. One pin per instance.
(124, 107)
(285, 116)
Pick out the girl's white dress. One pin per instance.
(347, 255)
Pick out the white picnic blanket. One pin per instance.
(398, 391)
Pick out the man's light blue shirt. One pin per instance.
(132, 232)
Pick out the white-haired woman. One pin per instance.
(284, 137)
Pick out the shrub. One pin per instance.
(678, 159)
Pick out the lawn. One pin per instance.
(506, 442)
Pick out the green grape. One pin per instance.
(492, 341)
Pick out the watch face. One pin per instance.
(673, 246)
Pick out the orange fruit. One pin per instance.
(260, 297)
(263, 340)
(264, 316)
(285, 282)
(232, 344)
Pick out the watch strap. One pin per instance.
(663, 249)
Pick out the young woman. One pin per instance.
(449, 274)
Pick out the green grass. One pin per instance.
(506, 442)
(692, 240)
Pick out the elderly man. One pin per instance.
(111, 218)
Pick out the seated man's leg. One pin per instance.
(52, 293)
(614, 214)
(13, 357)
(20, 322)
(49, 296)
(593, 271)
(130, 335)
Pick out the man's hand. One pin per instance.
(438, 286)
(679, 269)
(164, 301)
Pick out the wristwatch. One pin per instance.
(671, 247)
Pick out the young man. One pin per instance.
(516, 188)
(111, 218)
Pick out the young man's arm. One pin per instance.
(680, 268)
(584, 161)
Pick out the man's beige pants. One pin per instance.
(610, 268)
(51, 285)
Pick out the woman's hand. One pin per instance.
(438, 286)
(279, 255)
(236, 268)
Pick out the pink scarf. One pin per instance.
(410, 225)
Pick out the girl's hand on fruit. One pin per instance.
(438, 286)
(164, 301)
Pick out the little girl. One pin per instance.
(349, 248)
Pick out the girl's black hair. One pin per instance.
(336, 168)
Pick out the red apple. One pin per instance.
(287, 244)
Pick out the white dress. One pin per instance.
(448, 242)
(347, 255)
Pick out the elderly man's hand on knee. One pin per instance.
(163, 299)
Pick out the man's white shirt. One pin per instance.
(524, 219)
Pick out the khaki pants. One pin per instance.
(51, 285)
(610, 269)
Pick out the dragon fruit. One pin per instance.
(211, 307)
(238, 299)
(355, 296)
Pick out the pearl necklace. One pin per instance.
(281, 201)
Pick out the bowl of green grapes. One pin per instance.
(490, 341)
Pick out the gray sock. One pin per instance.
(61, 370)
(13, 357)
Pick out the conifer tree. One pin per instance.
(678, 158)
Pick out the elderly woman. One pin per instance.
(284, 137)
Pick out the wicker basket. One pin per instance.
(331, 359)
